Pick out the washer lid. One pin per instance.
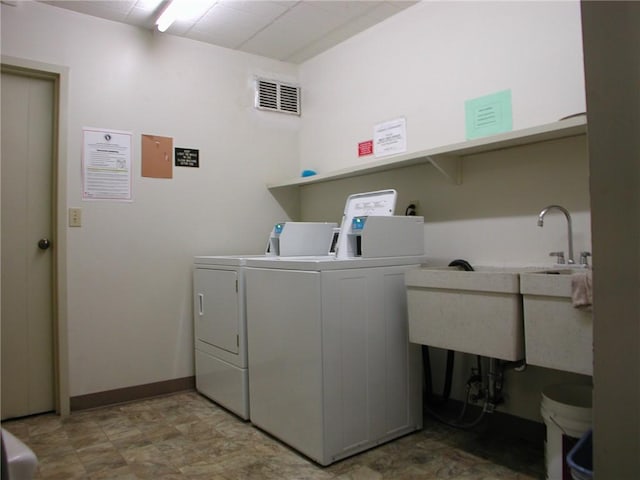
(378, 203)
(381, 202)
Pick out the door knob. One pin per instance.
(44, 243)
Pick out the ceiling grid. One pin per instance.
(290, 31)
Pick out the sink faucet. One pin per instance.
(569, 230)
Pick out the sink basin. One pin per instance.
(557, 335)
(477, 312)
(555, 282)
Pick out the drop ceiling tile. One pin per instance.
(294, 30)
(227, 27)
(267, 10)
(286, 3)
(313, 20)
(180, 27)
(387, 9)
(142, 17)
(223, 17)
(276, 43)
(344, 9)
(119, 6)
(306, 30)
(377, 12)
(401, 4)
(111, 10)
(286, 30)
(188, 19)
(149, 5)
(336, 36)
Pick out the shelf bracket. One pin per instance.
(448, 165)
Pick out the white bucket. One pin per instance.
(566, 410)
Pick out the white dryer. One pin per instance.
(220, 331)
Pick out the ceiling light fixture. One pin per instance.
(182, 10)
(167, 17)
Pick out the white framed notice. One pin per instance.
(106, 165)
(390, 138)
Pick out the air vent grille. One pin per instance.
(277, 96)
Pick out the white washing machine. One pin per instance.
(331, 369)
(220, 326)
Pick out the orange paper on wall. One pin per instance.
(157, 156)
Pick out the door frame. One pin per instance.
(59, 75)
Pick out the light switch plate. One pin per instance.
(75, 217)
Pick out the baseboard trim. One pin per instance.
(128, 394)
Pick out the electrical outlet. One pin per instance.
(75, 217)
(415, 210)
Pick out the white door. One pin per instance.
(216, 306)
(27, 132)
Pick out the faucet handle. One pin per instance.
(560, 256)
(584, 258)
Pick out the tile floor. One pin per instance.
(185, 436)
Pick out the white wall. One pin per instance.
(422, 64)
(128, 266)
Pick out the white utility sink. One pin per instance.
(478, 312)
(557, 335)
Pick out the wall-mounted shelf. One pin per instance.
(448, 159)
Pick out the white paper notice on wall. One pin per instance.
(106, 164)
(488, 115)
(390, 138)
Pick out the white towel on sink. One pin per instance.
(582, 289)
